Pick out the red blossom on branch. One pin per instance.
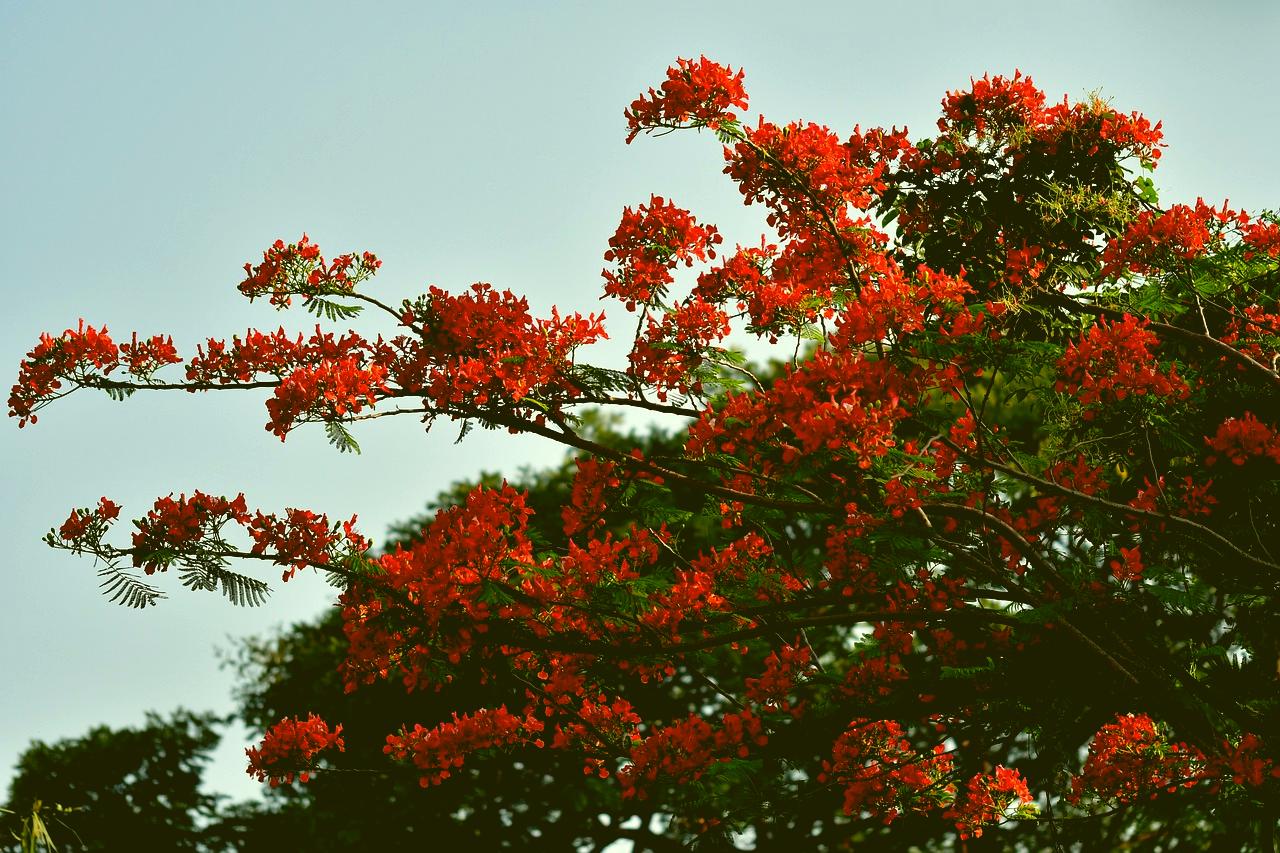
(298, 269)
(1244, 438)
(1131, 758)
(440, 750)
(1115, 360)
(696, 92)
(882, 773)
(987, 798)
(651, 241)
(290, 748)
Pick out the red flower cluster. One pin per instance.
(1133, 133)
(443, 574)
(601, 723)
(298, 269)
(439, 750)
(79, 355)
(89, 525)
(1244, 438)
(1004, 108)
(987, 798)
(783, 670)
(1261, 237)
(893, 305)
(805, 174)
(651, 241)
(142, 359)
(882, 773)
(992, 104)
(1023, 265)
(666, 353)
(683, 751)
(692, 593)
(1132, 758)
(833, 402)
(321, 378)
(482, 347)
(174, 525)
(1154, 239)
(290, 747)
(1114, 360)
(180, 526)
(327, 391)
(275, 354)
(592, 481)
(1245, 766)
(1128, 567)
(699, 93)
(304, 538)
(1255, 332)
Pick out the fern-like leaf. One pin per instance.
(127, 589)
(341, 437)
(240, 590)
(599, 380)
(332, 311)
(119, 394)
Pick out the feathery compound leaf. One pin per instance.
(119, 394)
(332, 311)
(341, 437)
(600, 379)
(127, 589)
(241, 590)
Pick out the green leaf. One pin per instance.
(332, 311)
(340, 437)
(241, 590)
(127, 589)
(119, 394)
(1147, 190)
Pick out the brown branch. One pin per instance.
(615, 649)
(1175, 520)
(103, 383)
(647, 405)
(568, 437)
(1037, 561)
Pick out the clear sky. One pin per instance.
(148, 149)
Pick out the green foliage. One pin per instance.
(126, 588)
(119, 789)
(340, 437)
(330, 310)
(239, 589)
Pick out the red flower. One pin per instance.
(987, 798)
(695, 92)
(1244, 438)
(1114, 360)
(651, 241)
(1129, 567)
(290, 747)
(993, 104)
(1131, 758)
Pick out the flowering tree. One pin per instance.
(991, 542)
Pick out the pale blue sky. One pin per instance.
(149, 149)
